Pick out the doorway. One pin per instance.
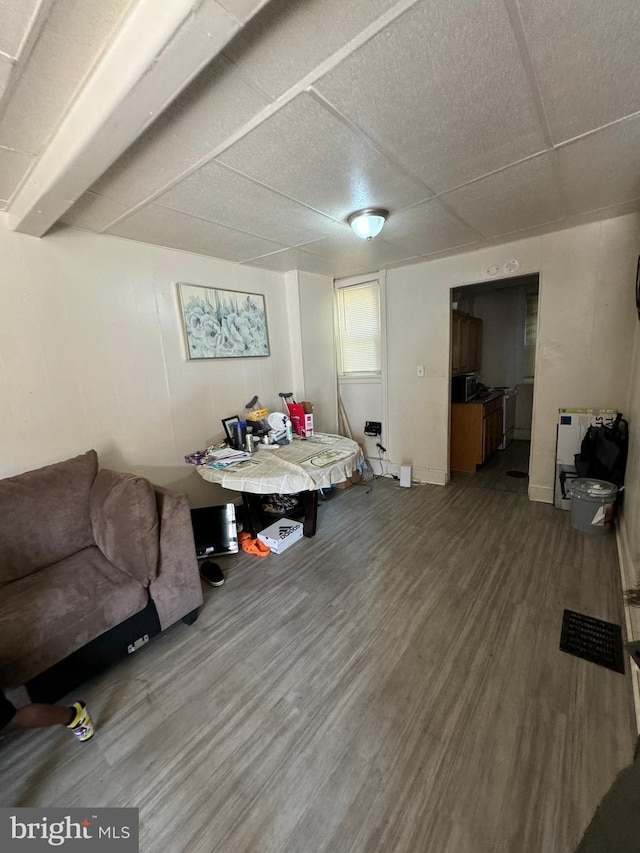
(493, 346)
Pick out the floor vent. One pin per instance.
(593, 640)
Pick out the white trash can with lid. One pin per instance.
(592, 504)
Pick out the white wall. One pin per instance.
(318, 348)
(585, 334)
(499, 314)
(629, 521)
(524, 412)
(91, 355)
(502, 313)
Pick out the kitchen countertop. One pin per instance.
(494, 395)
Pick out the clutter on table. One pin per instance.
(217, 456)
(257, 415)
(301, 415)
(259, 429)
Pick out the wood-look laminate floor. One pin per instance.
(493, 474)
(394, 684)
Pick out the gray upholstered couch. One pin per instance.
(92, 564)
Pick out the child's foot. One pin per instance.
(81, 725)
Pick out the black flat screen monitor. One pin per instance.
(215, 530)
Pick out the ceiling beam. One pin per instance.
(157, 51)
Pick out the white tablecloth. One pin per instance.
(311, 463)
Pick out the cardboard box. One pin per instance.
(307, 422)
(350, 481)
(572, 428)
(281, 535)
(301, 415)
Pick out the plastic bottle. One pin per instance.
(289, 430)
(239, 434)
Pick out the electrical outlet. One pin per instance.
(420, 370)
(373, 428)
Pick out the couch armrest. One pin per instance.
(177, 589)
(124, 517)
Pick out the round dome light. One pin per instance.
(368, 223)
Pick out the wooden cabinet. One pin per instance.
(476, 432)
(466, 343)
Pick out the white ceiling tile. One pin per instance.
(164, 227)
(17, 17)
(519, 197)
(347, 247)
(13, 167)
(443, 89)
(93, 212)
(586, 61)
(222, 195)
(215, 105)
(242, 9)
(289, 38)
(66, 50)
(602, 169)
(428, 227)
(297, 259)
(307, 153)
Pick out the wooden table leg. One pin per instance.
(248, 501)
(310, 512)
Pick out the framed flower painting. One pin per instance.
(223, 323)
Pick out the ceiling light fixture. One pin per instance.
(368, 223)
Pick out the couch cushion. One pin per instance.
(51, 613)
(125, 523)
(44, 515)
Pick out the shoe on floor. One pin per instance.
(253, 546)
(211, 573)
(82, 724)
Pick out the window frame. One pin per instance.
(344, 284)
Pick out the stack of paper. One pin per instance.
(225, 457)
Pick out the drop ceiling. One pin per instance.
(471, 122)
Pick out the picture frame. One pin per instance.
(219, 323)
(227, 425)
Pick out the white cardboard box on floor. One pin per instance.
(281, 535)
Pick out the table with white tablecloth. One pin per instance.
(305, 465)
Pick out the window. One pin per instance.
(359, 336)
(530, 331)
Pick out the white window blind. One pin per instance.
(530, 332)
(359, 329)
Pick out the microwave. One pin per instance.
(464, 387)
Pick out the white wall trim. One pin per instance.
(360, 380)
(543, 494)
(521, 434)
(429, 476)
(384, 378)
(631, 614)
(419, 476)
(355, 279)
(292, 295)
